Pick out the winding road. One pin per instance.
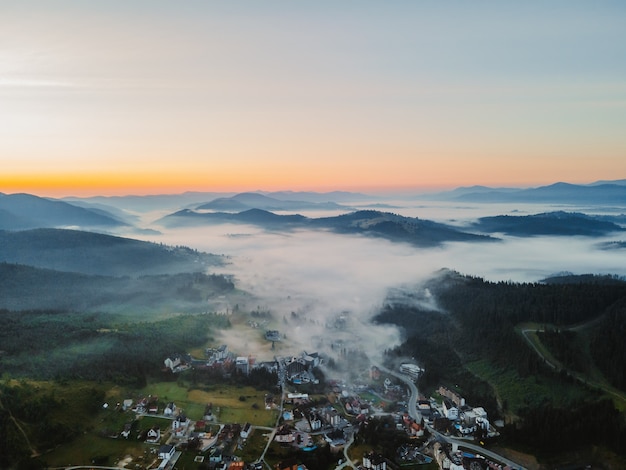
(416, 415)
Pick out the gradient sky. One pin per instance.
(123, 97)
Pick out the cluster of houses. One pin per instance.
(466, 420)
(299, 369)
(149, 404)
(304, 421)
(449, 457)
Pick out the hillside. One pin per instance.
(245, 201)
(550, 223)
(24, 288)
(463, 331)
(95, 253)
(25, 211)
(366, 222)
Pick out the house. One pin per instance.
(169, 409)
(222, 352)
(457, 399)
(166, 452)
(450, 410)
(331, 417)
(374, 461)
(285, 434)
(412, 370)
(180, 425)
(295, 367)
(126, 432)
(242, 365)
(127, 404)
(312, 360)
(315, 421)
(245, 432)
(154, 435)
(173, 363)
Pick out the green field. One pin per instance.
(231, 404)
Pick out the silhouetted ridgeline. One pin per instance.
(25, 211)
(386, 225)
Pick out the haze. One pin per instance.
(321, 275)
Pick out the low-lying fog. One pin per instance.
(319, 275)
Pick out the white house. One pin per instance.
(166, 452)
(172, 362)
(245, 432)
(180, 425)
(374, 461)
(154, 435)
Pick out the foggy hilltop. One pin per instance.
(444, 281)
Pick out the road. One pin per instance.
(582, 378)
(416, 415)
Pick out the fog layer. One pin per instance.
(310, 279)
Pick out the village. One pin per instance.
(435, 428)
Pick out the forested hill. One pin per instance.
(549, 223)
(95, 253)
(25, 288)
(25, 211)
(372, 223)
(487, 314)
(467, 334)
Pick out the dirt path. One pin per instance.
(34, 452)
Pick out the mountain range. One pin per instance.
(609, 192)
(25, 211)
(366, 222)
(549, 223)
(244, 201)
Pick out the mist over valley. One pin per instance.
(362, 281)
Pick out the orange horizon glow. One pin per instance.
(105, 99)
(113, 184)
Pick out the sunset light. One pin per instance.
(109, 98)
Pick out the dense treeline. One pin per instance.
(381, 434)
(608, 345)
(549, 429)
(28, 288)
(487, 314)
(565, 346)
(48, 345)
(477, 320)
(34, 419)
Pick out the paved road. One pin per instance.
(412, 404)
(582, 378)
(416, 415)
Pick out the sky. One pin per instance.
(152, 97)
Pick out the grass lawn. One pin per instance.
(231, 403)
(86, 448)
(254, 446)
